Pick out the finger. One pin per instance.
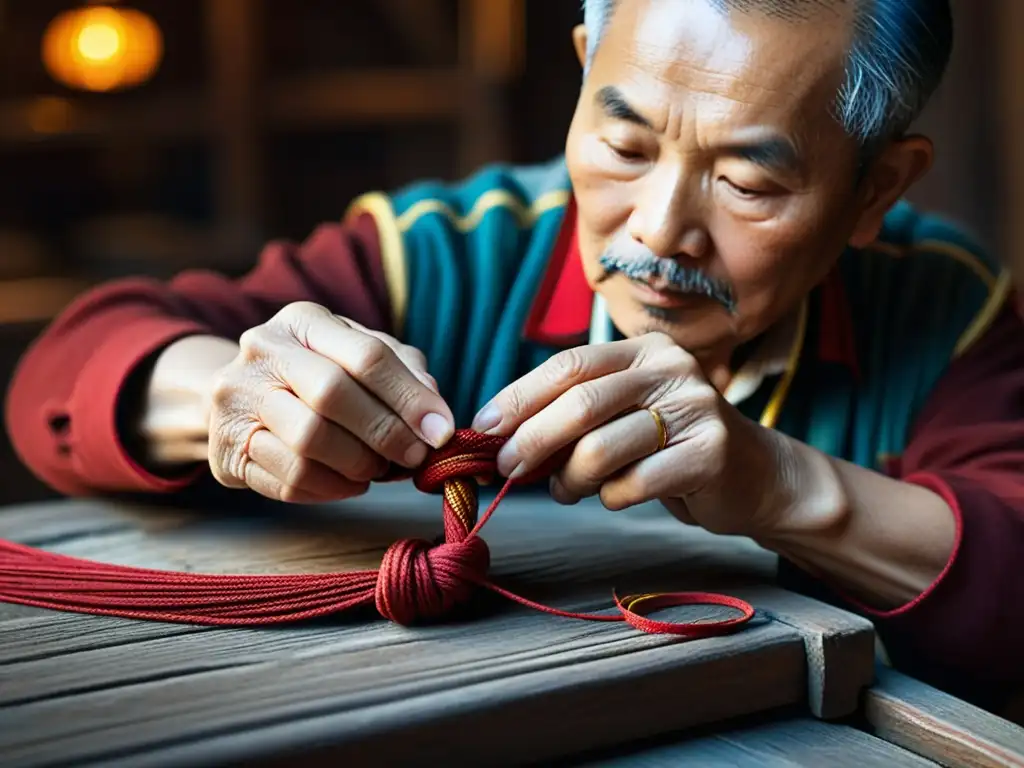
(601, 454)
(265, 484)
(413, 358)
(285, 476)
(331, 392)
(560, 494)
(680, 470)
(530, 394)
(679, 510)
(415, 361)
(575, 413)
(306, 433)
(374, 364)
(230, 435)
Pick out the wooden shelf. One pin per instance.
(323, 100)
(367, 97)
(48, 120)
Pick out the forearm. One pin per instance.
(171, 417)
(883, 541)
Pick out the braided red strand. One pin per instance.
(416, 581)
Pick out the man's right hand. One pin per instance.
(315, 406)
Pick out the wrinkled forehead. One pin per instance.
(756, 57)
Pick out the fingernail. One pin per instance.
(508, 459)
(488, 418)
(436, 429)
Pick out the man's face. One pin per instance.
(713, 185)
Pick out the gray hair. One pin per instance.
(898, 57)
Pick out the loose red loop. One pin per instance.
(415, 582)
(690, 628)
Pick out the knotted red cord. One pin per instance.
(416, 581)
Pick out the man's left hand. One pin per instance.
(717, 469)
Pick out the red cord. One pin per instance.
(416, 581)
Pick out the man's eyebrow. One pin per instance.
(615, 106)
(776, 154)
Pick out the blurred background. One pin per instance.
(149, 136)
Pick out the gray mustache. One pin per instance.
(680, 278)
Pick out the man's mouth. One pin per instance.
(658, 292)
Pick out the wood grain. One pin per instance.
(792, 743)
(940, 727)
(515, 685)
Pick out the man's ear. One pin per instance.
(897, 168)
(579, 41)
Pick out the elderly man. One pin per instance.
(716, 299)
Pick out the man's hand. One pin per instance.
(718, 469)
(315, 406)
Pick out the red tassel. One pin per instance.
(416, 581)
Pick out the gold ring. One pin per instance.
(662, 429)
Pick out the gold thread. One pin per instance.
(770, 416)
(460, 499)
(632, 600)
(392, 252)
(495, 198)
(955, 252)
(986, 315)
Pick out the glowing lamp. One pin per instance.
(101, 48)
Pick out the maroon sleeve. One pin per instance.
(63, 401)
(966, 631)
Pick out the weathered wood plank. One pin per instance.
(792, 743)
(940, 727)
(108, 689)
(528, 690)
(45, 635)
(100, 661)
(48, 523)
(840, 648)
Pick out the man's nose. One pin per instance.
(667, 215)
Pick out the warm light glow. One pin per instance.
(102, 48)
(99, 42)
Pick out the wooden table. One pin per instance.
(507, 686)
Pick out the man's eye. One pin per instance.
(743, 191)
(625, 154)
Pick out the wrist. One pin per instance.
(173, 423)
(880, 541)
(809, 501)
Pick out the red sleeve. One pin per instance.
(63, 401)
(968, 446)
